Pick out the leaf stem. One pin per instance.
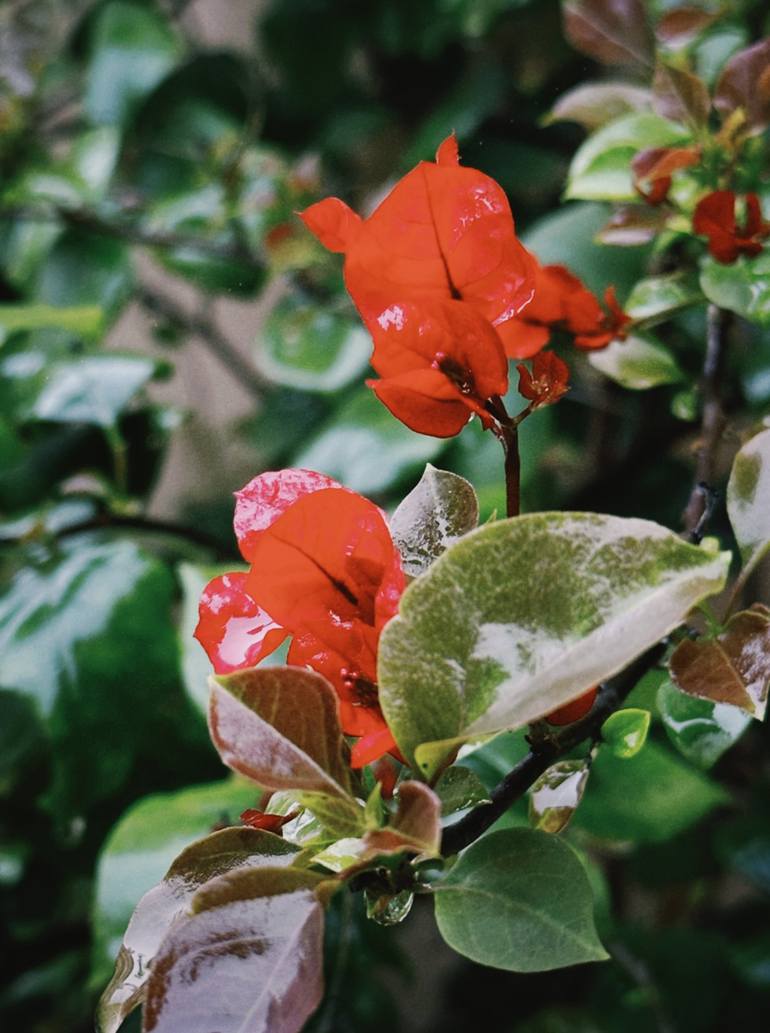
(543, 754)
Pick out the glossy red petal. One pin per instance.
(424, 401)
(448, 153)
(233, 629)
(371, 747)
(522, 340)
(266, 497)
(333, 223)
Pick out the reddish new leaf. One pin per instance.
(745, 83)
(680, 95)
(653, 169)
(732, 668)
(416, 825)
(632, 224)
(595, 103)
(615, 32)
(682, 25)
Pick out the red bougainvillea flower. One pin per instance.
(547, 381)
(715, 218)
(653, 168)
(324, 569)
(439, 361)
(444, 232)
(562, 300)
(572, 711)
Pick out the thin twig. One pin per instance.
(712, 419)
(544, 753)
(148, 525)
(199, 326)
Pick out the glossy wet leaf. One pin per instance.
(733, 667)
(556, 794)
(438, 511)
(594, 104)
(311, 348)
(94, 389)
(131, 49)
(250, 956)
(743, 287)
(700, 730)
(638, 363)
(647, 799)
(387, 908)
(416, 824)
(748, 498)
(615, 32)
(160, 907)
(361, 428)
(143, 844)
(625, 731)
(659, 297)
(601, 167)
(280, 727)
(520, 900)
(458, 788)
(522, 616)
(83, 320)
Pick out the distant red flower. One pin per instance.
(715, 218)
(653, 167)
(324, 569)
(547, 382)
(443, 233)
(439, 361)
(561, 300)
(256, 819)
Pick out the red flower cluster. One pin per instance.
(561, 300)
(437, 273)
(324, 570)
(653, 167)
(714, 218)
(547, 382)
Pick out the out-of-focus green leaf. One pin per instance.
(94, 389)
(748, 498)
(85, 269)
(311, 348)
(700, 730)
(363, 428)
(744, 846)
(20, 732)
(742, 287)
(94, 158)
(658, 297)
(638, 363)
(84, 320)
(131, 49)
(519, 900)
(647, 799)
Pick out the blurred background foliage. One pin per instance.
(168, 330)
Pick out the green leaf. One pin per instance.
(86, 634)
(658, 297)
(625, 731)
(601, 168)
(701, 730)
(638, 363)
(131, 49)
(363, 428)
(94, 158)
(93, 389)
(459, 788)
(280, 727)
(159, 908)
(84, 320)
(519, 900)
(140, 848)
(471, 652)
(743, 286)
(748, 499)
(647, 799)
(311, 348)
(439, 510)
(85, 269)
(555, 796)
(250, 956)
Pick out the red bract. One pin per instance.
(444, 232)
(715, 218)
(547, 382)
(562, 300)
(439, 361)
(267, 822)
(324, 569)
(653, 168)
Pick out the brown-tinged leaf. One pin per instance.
(416, 826)
(249, 959)
(680, 95)
(595, 103)
(164, 904)
(745, 83)
(458, 788)
(632, 224)
(615, 32)
(280, 727)
(681, 26)
(732, 668)
(555, 795)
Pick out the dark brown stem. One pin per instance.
(544, 753)
(510, 440)
(712, 419)
(148, 525)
